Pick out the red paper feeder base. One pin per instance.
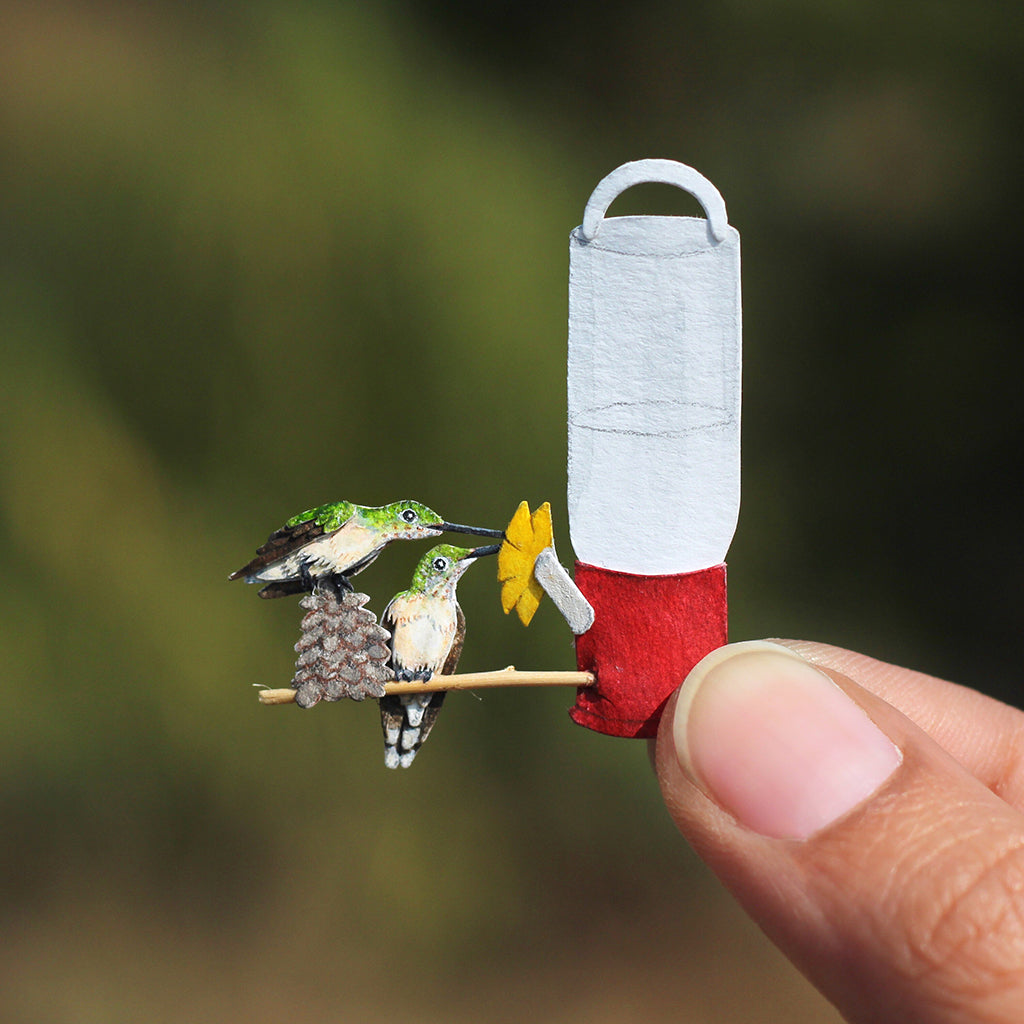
(648, 632)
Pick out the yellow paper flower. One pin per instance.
(525, 538)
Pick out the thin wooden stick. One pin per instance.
(460, 681)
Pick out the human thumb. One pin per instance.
(891, 876)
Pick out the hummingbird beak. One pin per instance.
(476, 530)
(489, 549)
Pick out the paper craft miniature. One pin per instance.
(427, 629)
(528, 567)
(343, 651)
(526, 536)
(654, 442)
(653, 430)
(337, 541)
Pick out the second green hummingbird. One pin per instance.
(427, 629)
(337, 541)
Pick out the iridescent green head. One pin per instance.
(400, 520)
(441, 567)
(412, 520)
(404, 520)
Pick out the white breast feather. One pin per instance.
(424, 633)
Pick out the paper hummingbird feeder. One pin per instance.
(654, 441)
(653, 498)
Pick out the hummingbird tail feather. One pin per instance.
(406, 722)
(279, 545)
(392, 715)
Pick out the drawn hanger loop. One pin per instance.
(666, 172)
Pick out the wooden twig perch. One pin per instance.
(460, 681)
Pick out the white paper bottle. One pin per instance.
(654, 380)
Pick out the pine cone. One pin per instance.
(343, 652)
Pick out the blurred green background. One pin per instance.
(259, 256)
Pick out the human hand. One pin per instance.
(877, 838)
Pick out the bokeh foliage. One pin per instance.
(261, 256)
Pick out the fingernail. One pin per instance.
(775, 742)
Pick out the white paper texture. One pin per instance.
(654, 381)
(567, 597)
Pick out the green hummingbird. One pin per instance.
(427, 630)
(337, 541)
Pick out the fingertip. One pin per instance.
(775, 743)
(859, 845)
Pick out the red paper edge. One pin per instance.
(648, 632)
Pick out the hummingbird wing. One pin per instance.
(280, 544)
(387, 620)
(451, 663)
(296, 534)
(392, 710)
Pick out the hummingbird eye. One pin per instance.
(440, 564)
(409, 515)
